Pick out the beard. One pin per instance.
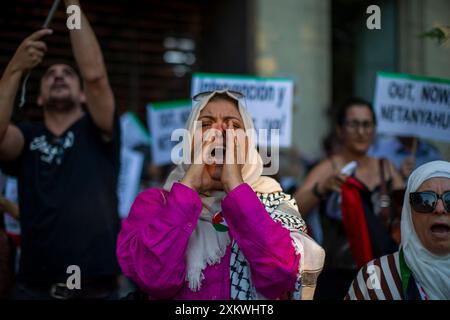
(60, 104)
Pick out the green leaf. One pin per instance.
(441, 34)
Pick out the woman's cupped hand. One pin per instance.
(217, 159)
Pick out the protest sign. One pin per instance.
(163, 119)
(407, 105)
(128, 183)
(133, 134)
(12, 226)
(268, 100)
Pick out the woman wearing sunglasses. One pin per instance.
(218, 229)
(421, 269)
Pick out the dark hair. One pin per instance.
(354, 101)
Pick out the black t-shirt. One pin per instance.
(67, 200)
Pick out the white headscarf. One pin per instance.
(431, 271)
(206, 245)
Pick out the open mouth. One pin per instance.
(58, 86)
(218, 153)
(441, 230)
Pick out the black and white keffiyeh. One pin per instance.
(282, 208)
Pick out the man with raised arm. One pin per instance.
(67, 170)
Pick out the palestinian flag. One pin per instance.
(219, 223)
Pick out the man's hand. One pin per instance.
(30, 52)
(28, 55)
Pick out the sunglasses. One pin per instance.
(426, 201)
(235, 94)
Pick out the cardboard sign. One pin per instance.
(268, 100)
(133, 134)
(163, 119)
(407, 105)
(128, 183)
(12, 226)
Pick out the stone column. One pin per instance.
(424, 56)
(292, 38)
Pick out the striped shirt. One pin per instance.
(378, 280)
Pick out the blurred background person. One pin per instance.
(67, 169)
(421, 269)
(406, 153)
(350, 202)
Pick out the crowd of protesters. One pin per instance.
(212, 230)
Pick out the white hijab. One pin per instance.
(430, 270)
(206, 245)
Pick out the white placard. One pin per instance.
(133, 132)
(407, 105)
(164, 118)
(131, 163)
(12, 226)
(268, 100)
